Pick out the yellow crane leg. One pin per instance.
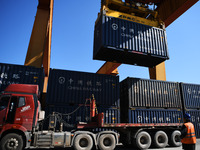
(158, 72)
(47, 51)
(39, 48)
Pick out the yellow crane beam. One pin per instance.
(170, 10)
(109, 68)
(39, 49)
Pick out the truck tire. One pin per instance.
(175, 139)
(143, 140)
(107, 142)
(83, 142)
(160, 139)
(12, 141)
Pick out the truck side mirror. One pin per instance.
(41, 115)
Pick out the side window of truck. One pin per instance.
(21, 101)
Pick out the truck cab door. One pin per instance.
(12, 110)
(3, 108)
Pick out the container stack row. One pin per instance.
(19, 74)
(150, 101)
(191, 103)
(68, 93)
(132, 100)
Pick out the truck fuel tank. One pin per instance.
(49, 138)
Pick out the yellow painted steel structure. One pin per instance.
(170, 10)
(131, 12)
(167, 11)
(39, 49)
(109, 68)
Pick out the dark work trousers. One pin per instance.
(188, 146)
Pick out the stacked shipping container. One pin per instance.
(73, 87)
(150, 101)
(19, 74)
(68, 90)
(191, 103)
(75, 114)
(142, 100)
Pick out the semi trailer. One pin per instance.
(21, 121)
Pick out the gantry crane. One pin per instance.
(39, 49)
(168, 11)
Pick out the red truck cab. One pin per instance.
(19, 108)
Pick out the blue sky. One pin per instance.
(72, 39)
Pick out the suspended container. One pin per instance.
(19, 74)
(135, 92)
(73, 87)
(145, 116)
(190, 95)
(123, 41)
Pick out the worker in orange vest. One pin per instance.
(188, 134)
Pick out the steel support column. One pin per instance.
(39, 49)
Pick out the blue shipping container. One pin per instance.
(129, 42)
(19, 74)
(190, 95)
(136, 92)
(76, 113)
(151, 116)
(73, 87)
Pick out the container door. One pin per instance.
(3, 108)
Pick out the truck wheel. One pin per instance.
(12, 141)
(83, 142)
(160, 139)
(175, 139)
(143, 140)
(107, 142)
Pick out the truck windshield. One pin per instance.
(4, 102)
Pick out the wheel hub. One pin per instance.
(177, 138)
(143, 140)
(83, 142)
(12, 143)
(107, 142)
(161, 139)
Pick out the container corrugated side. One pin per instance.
(19, 74)
(111, 114)
(129, 42)
(76, 113)
(73, 87)
(190, 95)
(135, 92)
(195, 119)
(132, 115)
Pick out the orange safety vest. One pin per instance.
(190, 138)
